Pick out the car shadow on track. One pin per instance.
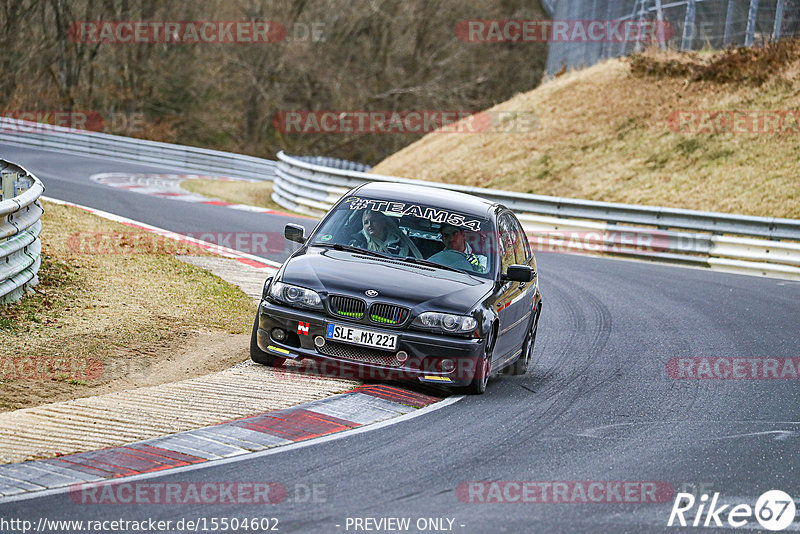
(308, 369)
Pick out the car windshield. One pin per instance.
(419, 233)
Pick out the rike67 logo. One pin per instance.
(774, 510)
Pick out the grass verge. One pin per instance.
(610, 133)
(247, 193)
(114, 304)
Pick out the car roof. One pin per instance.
(434, 196)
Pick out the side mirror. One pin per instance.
(519, 273)
(295, 232)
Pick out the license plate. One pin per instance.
(357, 336)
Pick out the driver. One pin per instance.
(380, 234)
(457, 252)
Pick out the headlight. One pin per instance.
(265, 289)
(445, 321)
(295, 295)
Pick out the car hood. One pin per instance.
(405, 284)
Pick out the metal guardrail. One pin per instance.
(20, 226)
(187, 158)
(312, 184)
(335, 163)
(717, 240)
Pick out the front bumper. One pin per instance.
(425, 350)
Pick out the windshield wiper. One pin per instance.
(351, 248)
(420, 261)
(409, 259)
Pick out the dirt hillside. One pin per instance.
(713, 131)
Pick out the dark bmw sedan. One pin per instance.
(402, 282)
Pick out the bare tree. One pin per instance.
(381, 55)
(15, 49)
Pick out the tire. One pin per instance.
(258, 355)
(483, 371)
(520, 366)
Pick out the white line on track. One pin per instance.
(275, 450)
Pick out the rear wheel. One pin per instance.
(258, 355)
(520, 367)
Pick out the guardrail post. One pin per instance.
(662, 42)
(7, 179)
(776, 30)
(590, 53)
(623, 45)
(689, 29)
(752, 15)
(22, 184)
(726, 39)
(637, 47)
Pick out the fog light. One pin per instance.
(448, 366)
(319, 341)
(278, 334)
(402, 356)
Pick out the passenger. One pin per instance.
(457, 252)
(380, 234)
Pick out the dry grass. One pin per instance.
(137, 307)
(603, 134)
(248, 193)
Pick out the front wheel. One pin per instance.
(258, 355)
(484, 368)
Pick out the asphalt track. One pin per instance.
(66, 177)
(597, 404)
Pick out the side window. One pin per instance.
(508, 238)
(522, 251)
